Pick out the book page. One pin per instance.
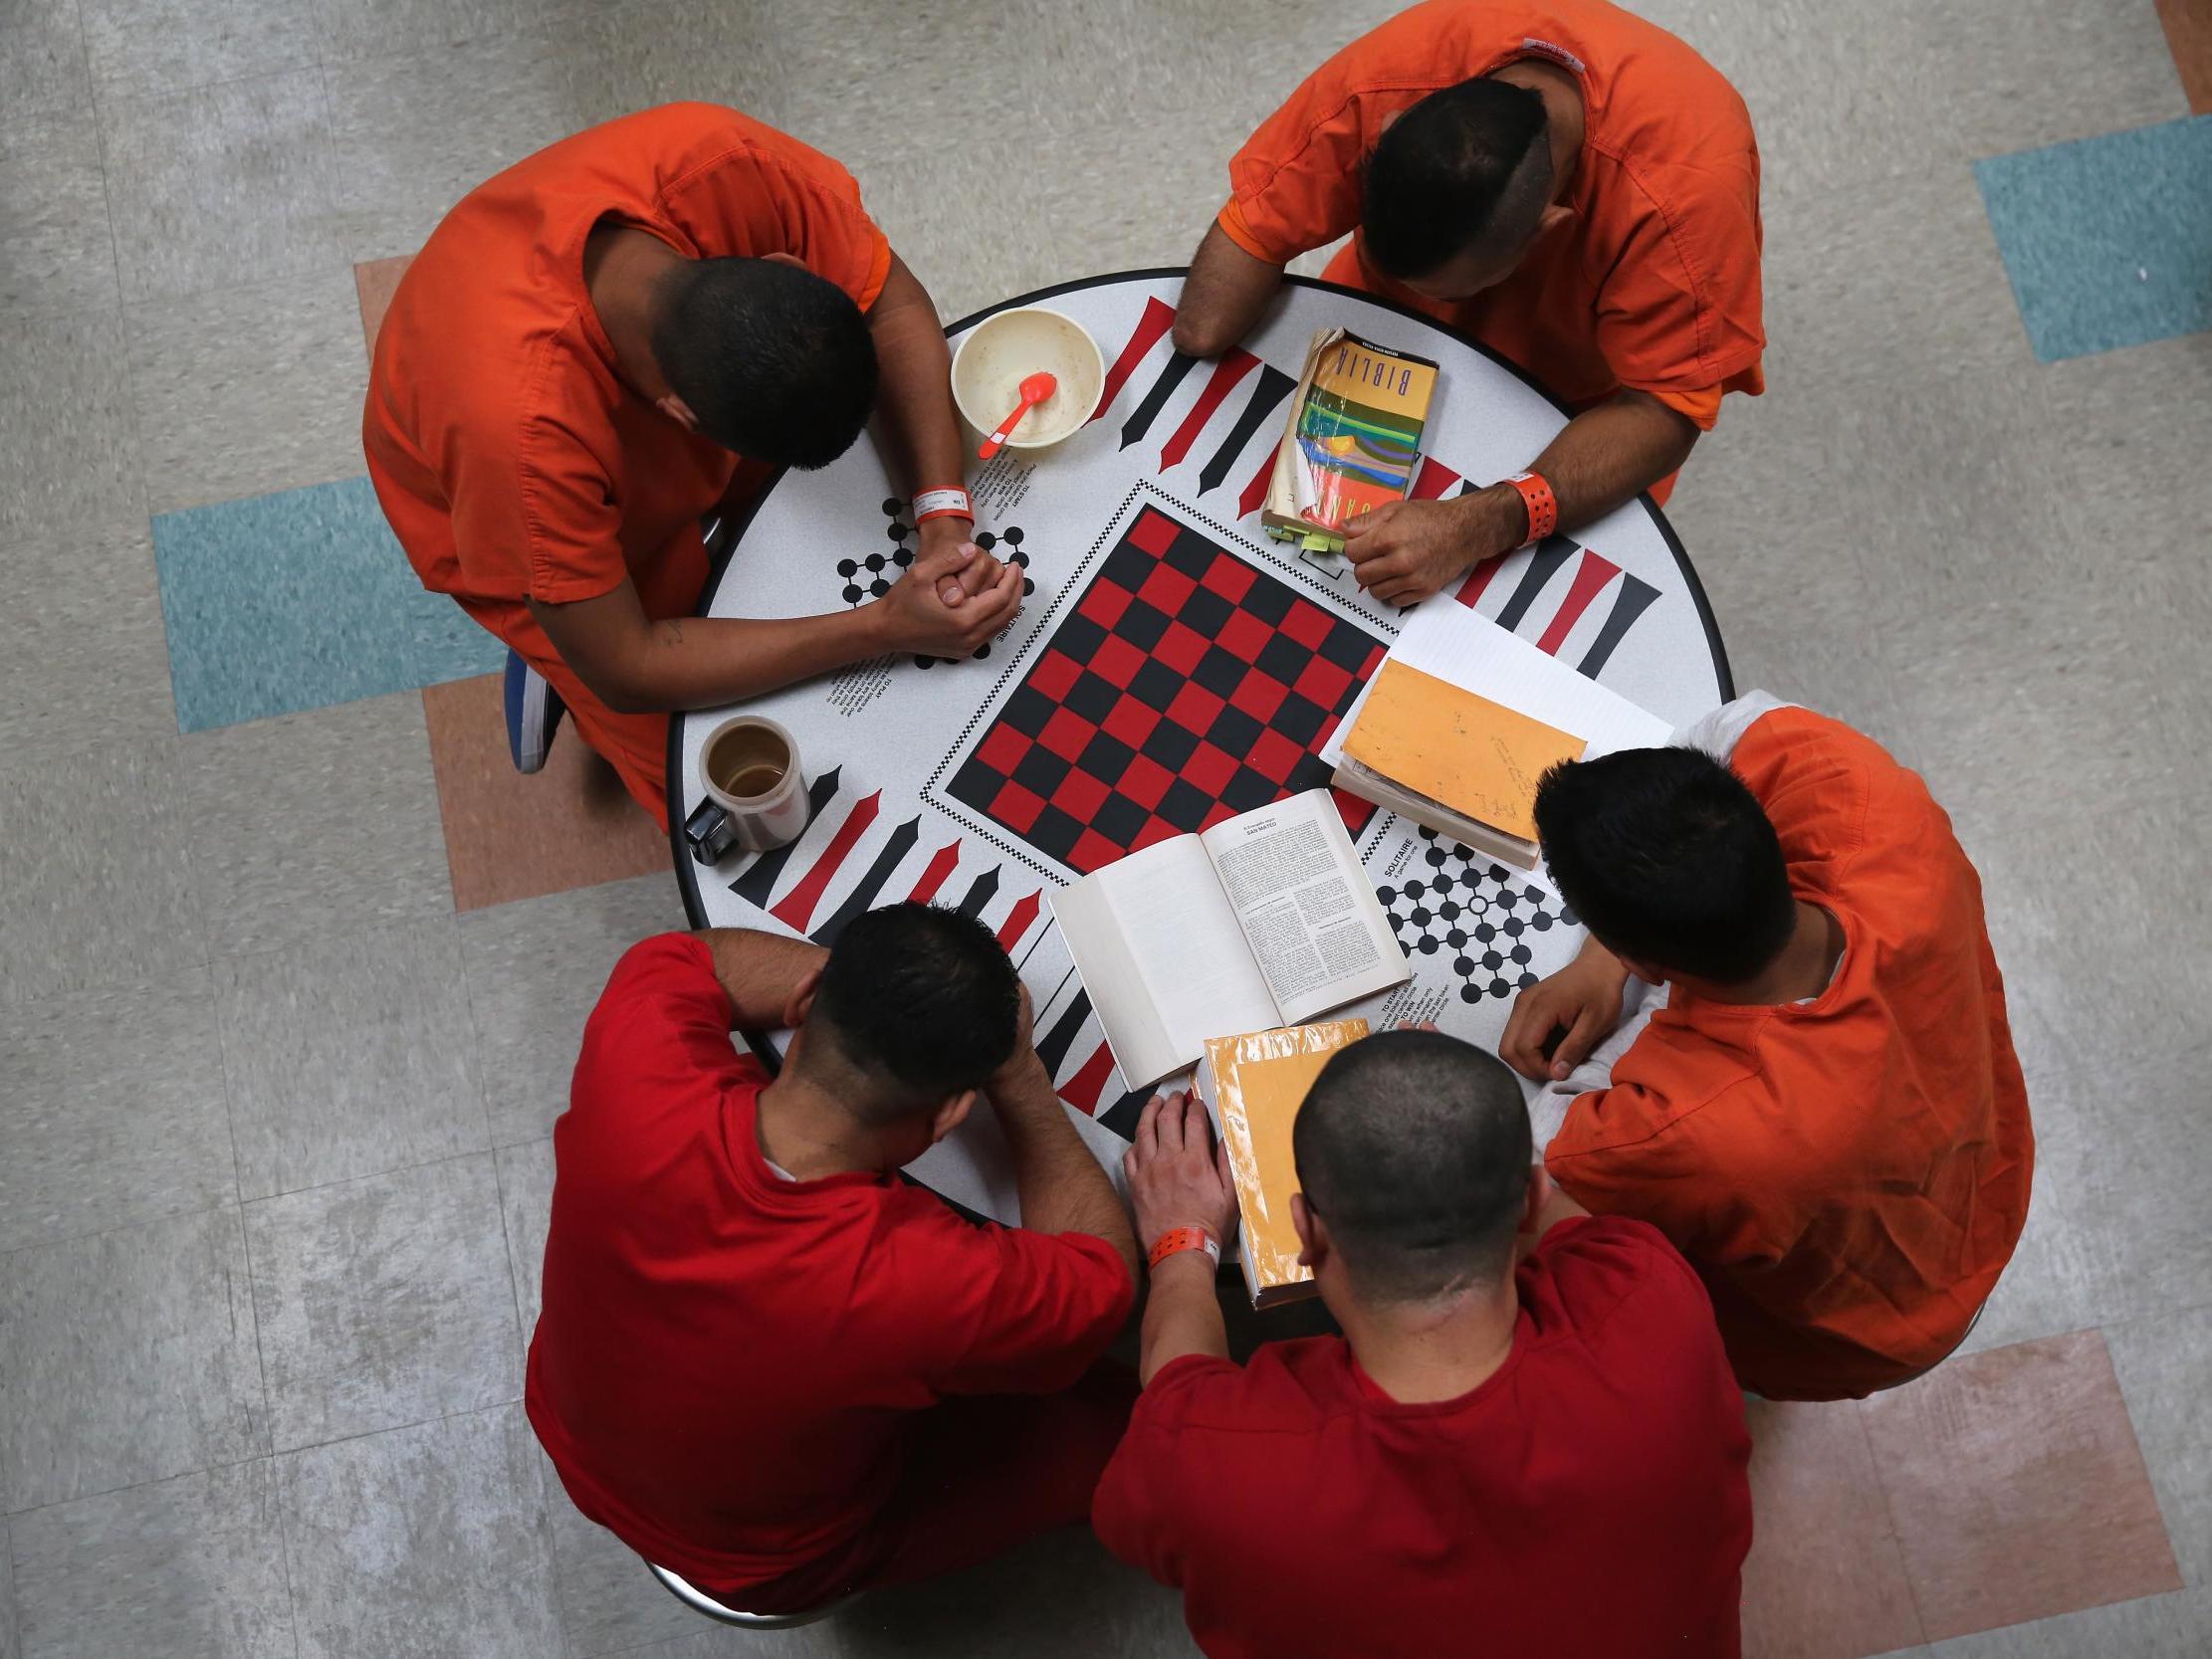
(1161, 953)
(1309, 915)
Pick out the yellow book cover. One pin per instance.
(1256, 1084)
(1479, 757)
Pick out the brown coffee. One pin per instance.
(747, 762)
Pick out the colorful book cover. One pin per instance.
(1358, 430)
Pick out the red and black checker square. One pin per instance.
(1183, 685)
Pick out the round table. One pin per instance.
(991, 783)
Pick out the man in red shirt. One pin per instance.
(1815, 1096)
(1481, 1438)
(767, 1364)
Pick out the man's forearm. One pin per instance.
(1183, 1314)
(920, 424)
(1060, 1187)
(1612, 453)
(703, 661)
(1222, 296)
(760, 971)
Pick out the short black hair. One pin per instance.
(921, 1000)
(1469, 165)
(1413, 1149)
(1666, 857)
(775, 361)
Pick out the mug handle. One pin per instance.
(710, 832)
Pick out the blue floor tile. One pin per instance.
(300, 600)
(2108, 241)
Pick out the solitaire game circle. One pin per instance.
(1185, 685)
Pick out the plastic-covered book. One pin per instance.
(1353, 443)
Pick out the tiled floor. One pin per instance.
(292, 967)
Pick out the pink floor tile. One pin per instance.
(2016, 1487)
(374, 283)
(1826, 1577)
(514, 837)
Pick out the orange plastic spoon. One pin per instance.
(1035, 388)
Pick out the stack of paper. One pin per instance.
(1460, 723)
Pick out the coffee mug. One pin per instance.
(756, 794)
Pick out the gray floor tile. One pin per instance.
(2161, 1362)
(312, 825)
(351, 28)
(526, 1180)
(536, 969)
(609, 1601)
(58, 255)
(243, 391)
(143, 48)
(190, 1568)
(2047, 1286)
(417, 133)
(230, 184)
(430, 1539)
(383, 1302)
(2156, 1627)
(130, 1357)
(68, 449)
(349, 1058)
(58, 693)
(10, 1647)
(42, 57)
(111, 1111)
(2025, 73)
(96, 887)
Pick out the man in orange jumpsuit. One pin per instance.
(1567, 184)
(568, 378)
(1816, 1096)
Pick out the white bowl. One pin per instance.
(997, 354)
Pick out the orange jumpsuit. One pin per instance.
(511, 459)
(1652, 283)
(1848, 1174)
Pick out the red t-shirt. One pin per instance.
(1590, 1498)
(726, 1359)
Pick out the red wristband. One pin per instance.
(1175, 1240)
(950, 502)
(1542, 505)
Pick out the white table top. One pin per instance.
(904, 805)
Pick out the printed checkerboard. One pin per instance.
(1184, 686)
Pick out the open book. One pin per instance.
(1266, 918)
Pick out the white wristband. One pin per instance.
(942, 504)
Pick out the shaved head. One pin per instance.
(1464, 174)
(1412, 1148)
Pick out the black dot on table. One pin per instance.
(1527, 980)
(1449, 910)
(1421, 916)
(1541, 920)
(1468, 994)
(1520, 954)
(1384, 895)
(1516, 927)
(1462, 968)
(922, 662)
(897, 533)
(981, 650)
(1492, 961)
(875, 561)
(902, 558)
(1455, 937)
(1012, 535)
(852, 594)
(1027, 587)
(1425, 945)
(1500, 989)
(846, 567)
(985, 541)
(1021, 559)
(1484, 933)
(893, 506)
(1435, 857)
(879, 588)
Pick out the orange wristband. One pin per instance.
(1175, 1240)
(1542, 505)
(948, 502)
